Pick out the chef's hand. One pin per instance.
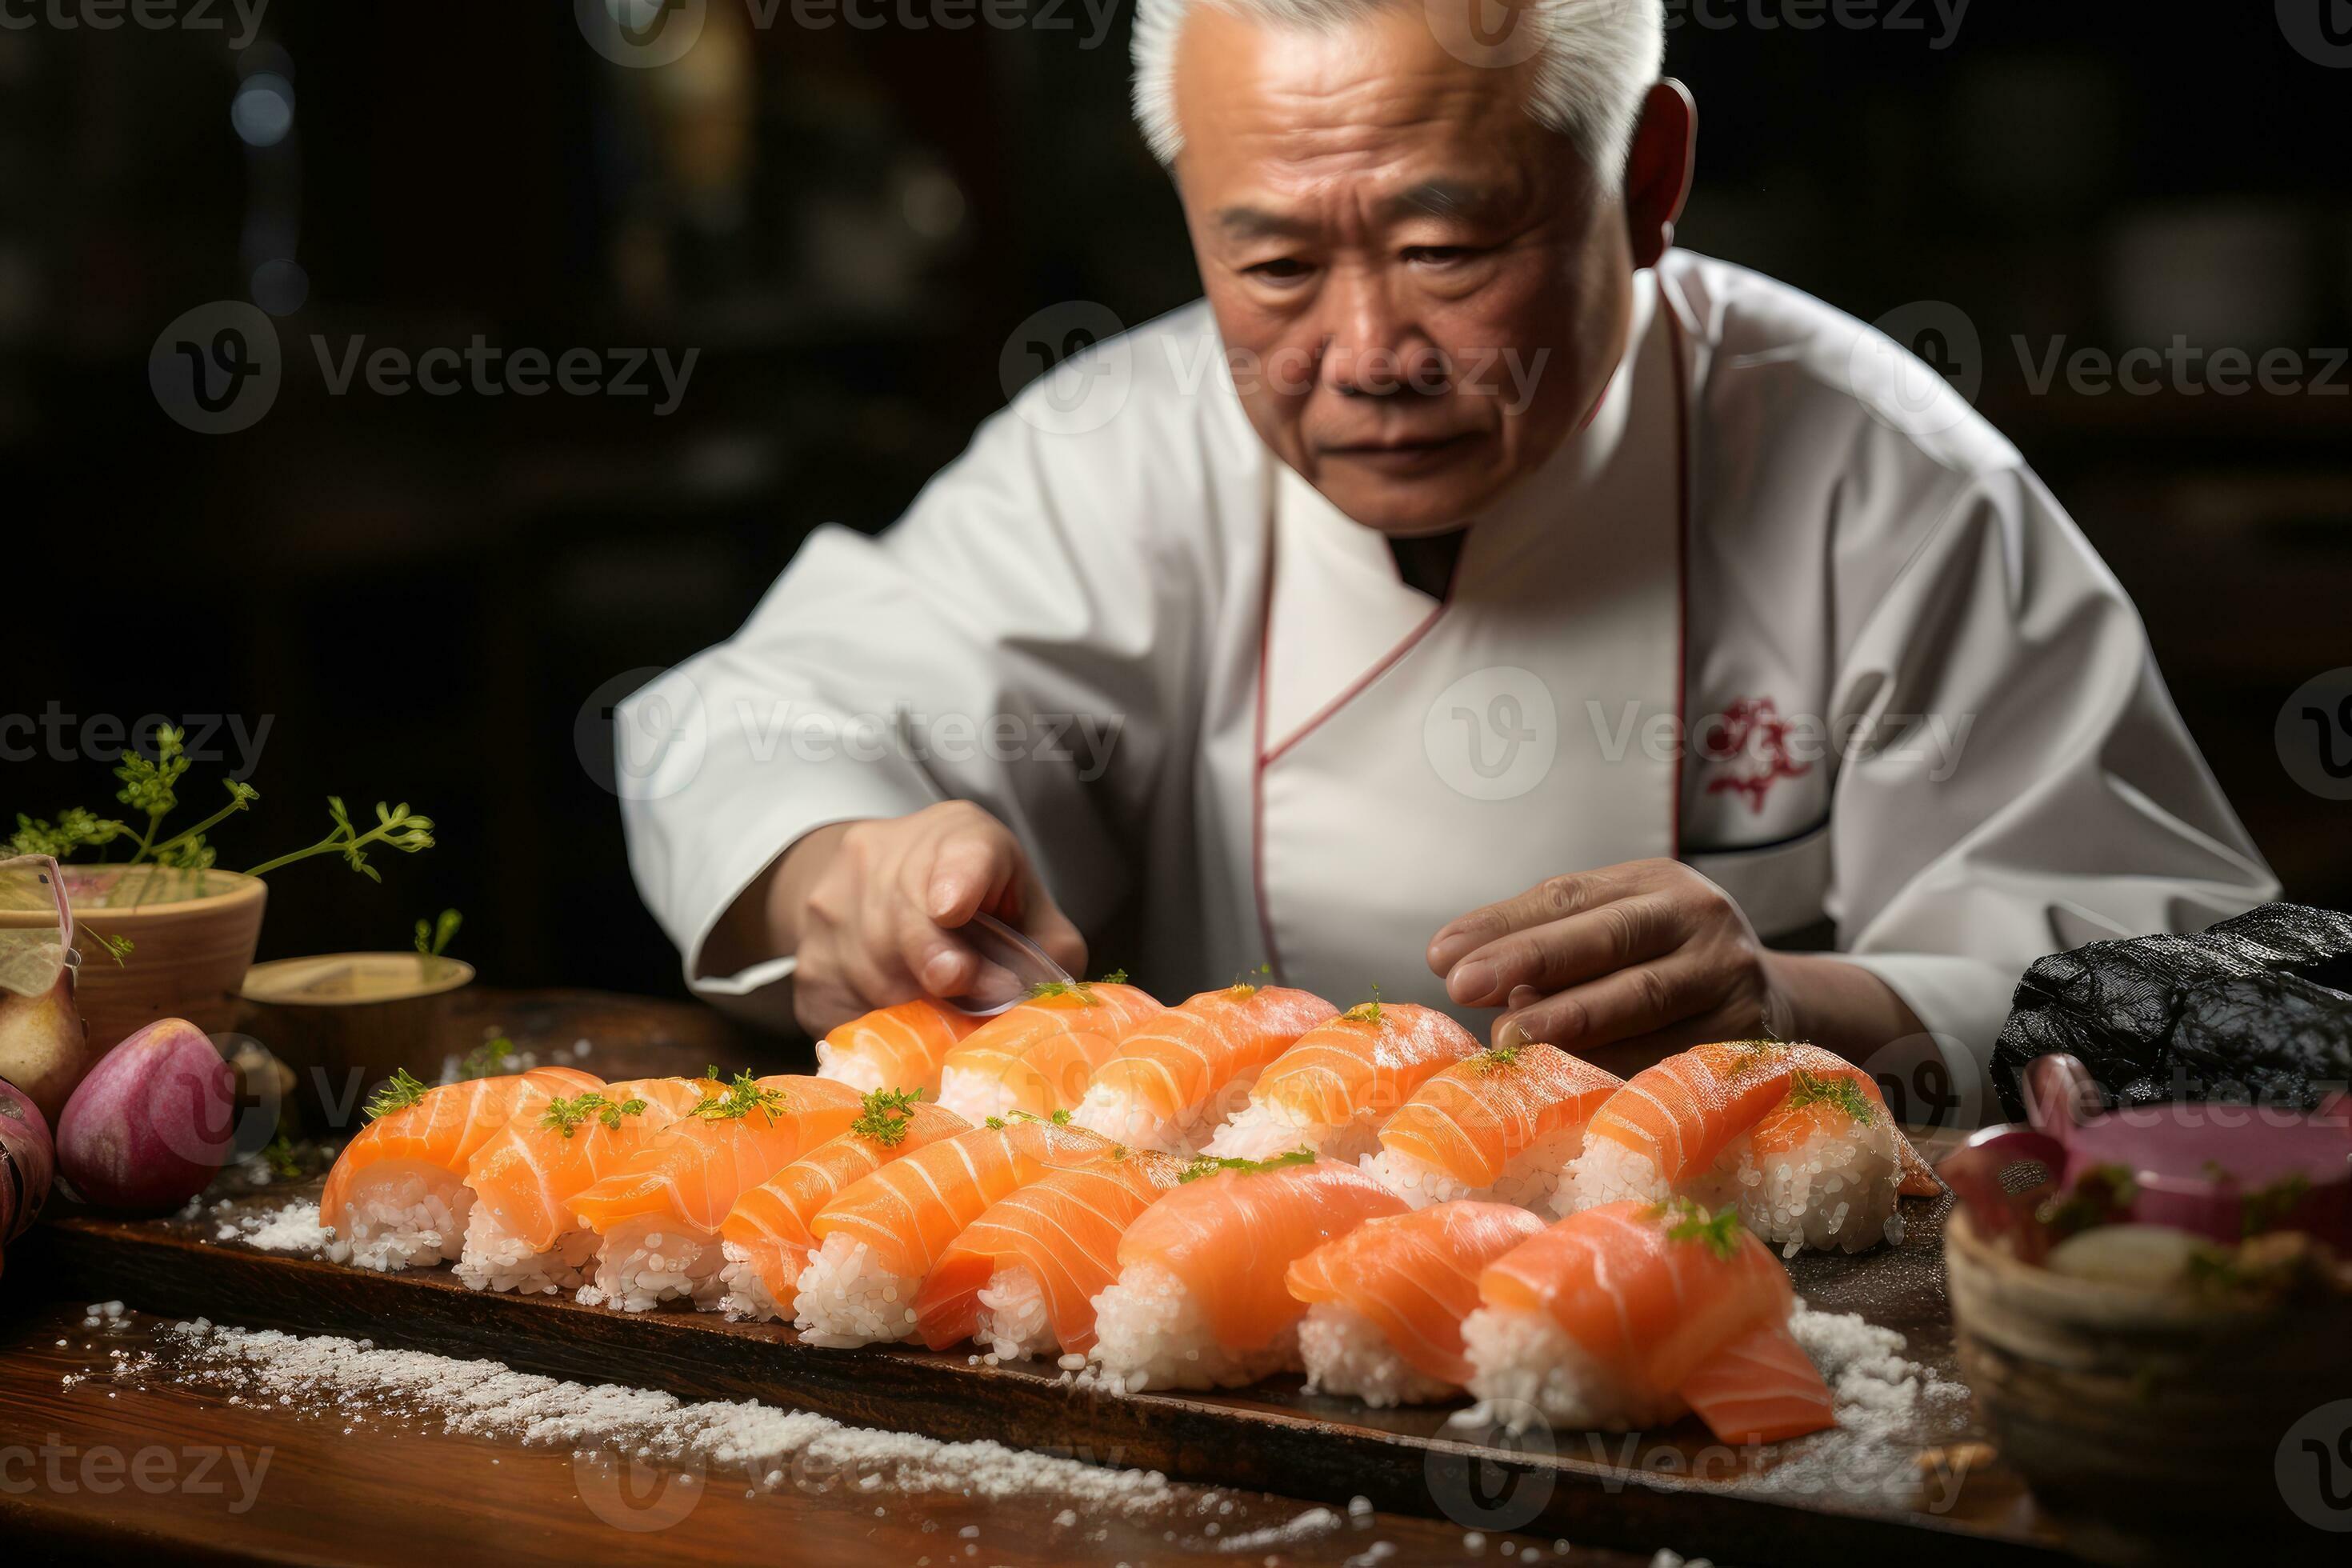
(1629, 962)
(870, 909)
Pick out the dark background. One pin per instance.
(424, 592)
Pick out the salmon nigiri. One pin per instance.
(1021, 1278)
(522, 1234)
(880, 1237)
(1624, 1315)
(901, 1047)
(1183, 1071)
(1332, 1089)
(1834, 1160)
(1387, 1300)
(1037, 1055)
(1504, 1124)
(766, 1237)
(1200, 1300)
(657, 1217)
(396, 1196)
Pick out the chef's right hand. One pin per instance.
(870, 907)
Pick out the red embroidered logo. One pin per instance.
(1752, 739)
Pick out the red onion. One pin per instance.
(28, 1163)
(152, 1124)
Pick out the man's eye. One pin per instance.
(1281, 269)
(1438, 255)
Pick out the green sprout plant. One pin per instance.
(150, 790)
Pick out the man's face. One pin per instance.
(1422, 290)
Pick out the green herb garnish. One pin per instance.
(1058, 1119)
(887, 1115)
(1244, 983)
(117, 948)
(399, 1092)
(1495, 1059)
(433, 938)
(486, 1059)
(1366, 1012)
(741, 1096)
(1084, 990)
(994, 1124)
(564, 1115)
(278, 1154)
(1847, 1095)
(1690, 1222)
(1210, 1165)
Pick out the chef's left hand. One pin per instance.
(1648, 955)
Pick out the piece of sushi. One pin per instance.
(1672, 1128)
(521, 1234)
(396, 1198)
(1332, 1089)
(1021, 1279)
(881, 1237)
(1625, 1315)
(1038, 1056)
(1506, 1124)
(898, 1047)
(656, 1218)
(1200, 1300)
(1822, 1168)
(1183, 1071)
(1387, 1300)
(766, 1237)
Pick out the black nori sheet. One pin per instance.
(2258, 1009)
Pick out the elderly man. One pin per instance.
(1473, 597)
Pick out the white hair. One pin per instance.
(1594, 60)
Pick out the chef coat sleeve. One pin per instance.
(996, 645)
(2047, 794)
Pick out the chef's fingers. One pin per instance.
(1642, 999)
(1553, 899)
(1558, 954)
(973, 861)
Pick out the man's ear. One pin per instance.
(1658, 169)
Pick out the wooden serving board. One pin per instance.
(1942, 1499)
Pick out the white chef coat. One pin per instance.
(1784, 607)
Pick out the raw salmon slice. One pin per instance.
(696, 1168)
(1412, 1278)
(528, 1174)
(1504, 1124)
(1046, 1250)
(1333, 1089)
(1038, 1056)
(902, 1046)
(1184, 1070)
(444, 1128)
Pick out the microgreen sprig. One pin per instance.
(398, 1093)
(1840, 1092)
(1686, 1220)
(1210, 1165)
(1365, 1011)
(886, 1115)
(743, 1096)
(564, 1115)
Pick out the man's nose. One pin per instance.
(1372, 349)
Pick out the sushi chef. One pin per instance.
(1474, 595)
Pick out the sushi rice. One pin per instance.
(1525, 1366)
(1151, 1333)
(745, 1295)
(494, 1258)
(650, 1259)
(404, 1214)
(1834, 1191)
(1014, 1321)
(1345, 1352)
(1262, 1130)
(1119, 1115)
(1537, 1179)
(841, 1299)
